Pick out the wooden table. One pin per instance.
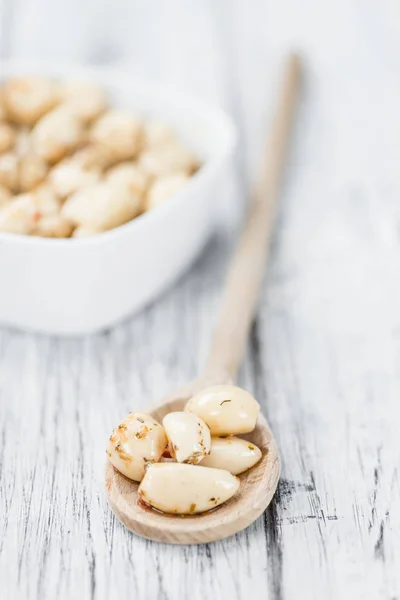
(324, 354)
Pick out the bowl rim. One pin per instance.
(10, 67)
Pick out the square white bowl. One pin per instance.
(79, 286)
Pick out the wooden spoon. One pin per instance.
(239, 301)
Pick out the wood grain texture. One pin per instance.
(323, 359)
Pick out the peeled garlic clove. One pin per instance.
(27, 99)
(32, 170)
(102, 206)
(56, 134)
(86, 100)
(129, 175)
(81, 206)
(163, 188)
(45, 200)
(158, 133)
(232, 454)
(95, 156)
(7, 137)
(118, 131)
(19, 215)
(9, 171)
(22, 141)
(226, 409)
(82, 231)
(5, 195)
(25, 212)
(188, 436)
(167, 159)
(180, 489)
(53, 226)
(138, 441)
(69, 176)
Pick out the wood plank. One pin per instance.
(323, 355)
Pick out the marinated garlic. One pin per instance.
(95, 156)
(24, 214)
(226, 409)
(22, 142)
(19, 216)
(167, 159)
(189, 438)
(5, 195)
(32, 171)
(232, 454)
(27, 99)
(69, 176)
(53, 226)
(118, 131)
(82, 231)
(105, 164)
(180, 489)
(187, 489)
(86, 100)
(164, 188)
(45, 200)
(157, 133)
(138, 441)
(7, 137)
(9, 171)
(102, 206)
(130, 175)
(56, 134)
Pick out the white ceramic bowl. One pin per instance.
(77, 286)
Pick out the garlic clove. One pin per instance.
(232, 454)
(138, 441)
(56, 134)
(227, 409)
(95, 156)
(68, 176)
(175, 488)
(87, 100)
(7, 137)
(19, 215)
(156, 134)
(82, 231)
(27, 99)
(53, 226)
(102, 206)
(9, 171)
(163, 188)
(188, 436)
(168, 159)
(5, 195)
(129, 175)
(120, 132)
(32, 171)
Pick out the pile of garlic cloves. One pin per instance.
(71, 165)
(189, 464)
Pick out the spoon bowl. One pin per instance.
(257, 486)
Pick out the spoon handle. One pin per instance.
(245, 275)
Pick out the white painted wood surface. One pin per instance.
(323, 357)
